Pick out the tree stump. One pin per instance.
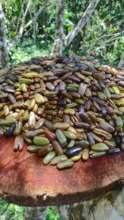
(26, 181)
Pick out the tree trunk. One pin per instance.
(59, 39)
(35, 213)
(3, 44)
(82, 22)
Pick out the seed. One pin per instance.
(76, 158)
(33, 133)
(18, 128)
(44, 150)
(113, 150)
(82, 89)
(102, 133)
(10, 131)
(97, 154)
(7, 122)
(48, 158)
(106, 126)
(83, 144)
(50, 135)
(31, 75)
(69, 111)
(40, 99)
(61, 125)
(61, 137)
(18, 143)
(33, 148)
(39, 123)
(11, 98)
(119, 123)
(31, 104)
(85, 154)
(32, 119)
(65, 164)
(26, 81)
(70, 152)
(6, 110)
(100, 147)
(23, 87)
(35, 108)
(39, 140)
(71, 143)
(58, 159)
(70, 135)
(50, 86)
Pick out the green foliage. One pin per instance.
(10, 211)
(103, 35)
(15, 212)
(52, 214)
(27, 50)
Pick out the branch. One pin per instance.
(82, 22)
(23, 20)
(41, 9)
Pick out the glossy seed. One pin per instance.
(57, 147)
(70, 152)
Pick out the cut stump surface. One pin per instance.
(25, 180)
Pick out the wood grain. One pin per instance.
(25, 180)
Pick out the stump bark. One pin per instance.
(26, 181)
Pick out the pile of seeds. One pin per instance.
(65, 109)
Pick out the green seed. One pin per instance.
(71, 143)
(31, 75)
(70, 135)
(65, 164)
(26, 81)
(33, 133)
(18, 128)
(58, 159)
(97, 154)
(61, 137)
(48, 158)
(40, 99)
(60, 125)
(118, 122)
(100, 147)
(39, 140)
(33, 148)
(69, 111)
